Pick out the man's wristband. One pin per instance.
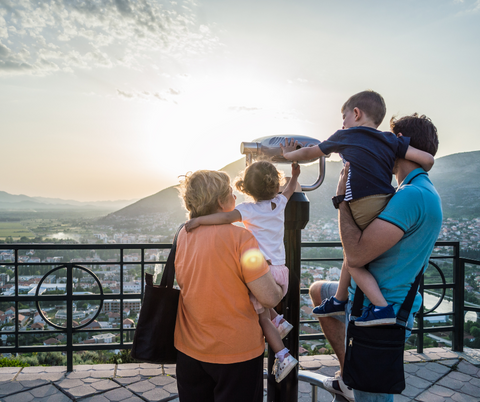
(337, 200)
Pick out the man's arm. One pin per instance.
(362, 247)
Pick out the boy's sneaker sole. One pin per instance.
(373, 323)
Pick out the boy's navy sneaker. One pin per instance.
(374, 315)
(329, 308)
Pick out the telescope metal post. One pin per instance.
(297, 214)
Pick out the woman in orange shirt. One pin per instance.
(219, 340)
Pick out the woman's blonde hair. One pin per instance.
(201, 191)
(261, 180)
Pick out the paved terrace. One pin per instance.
(438, 374)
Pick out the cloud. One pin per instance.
(164, 96)
(97, 34)
(470, 6)
(243, 109)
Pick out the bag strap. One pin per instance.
(404, 312)
(358, 300)
(169, 272)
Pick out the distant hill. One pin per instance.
(454, 176)
(167, 200)
(22, 202)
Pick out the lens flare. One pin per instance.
(252, 258)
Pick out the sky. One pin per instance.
(115, 99)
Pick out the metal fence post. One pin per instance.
(458, 301)
(69, 311)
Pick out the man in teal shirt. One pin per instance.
(396, 245)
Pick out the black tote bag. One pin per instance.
(153, 341)
(374, 358)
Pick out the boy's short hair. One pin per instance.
(420, 129)
(202, 190)
(369, 102)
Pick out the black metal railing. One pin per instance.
(20, 264)
(455, 284)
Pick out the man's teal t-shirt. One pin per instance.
(416, 209)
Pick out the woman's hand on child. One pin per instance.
(191, 224)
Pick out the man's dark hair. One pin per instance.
(420, 129)
(369, 102)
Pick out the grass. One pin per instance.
(14, 229)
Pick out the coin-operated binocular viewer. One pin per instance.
(269, 148)
(297, 214)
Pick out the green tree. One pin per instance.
(475, 332)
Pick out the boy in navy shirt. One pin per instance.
(372, 154)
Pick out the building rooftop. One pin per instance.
(438, 374)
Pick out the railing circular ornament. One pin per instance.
(444, 282)
(71, 267)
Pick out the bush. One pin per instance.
(51, 359)
(123, 357)
(475, 332)
(29, 361)
(12, 362)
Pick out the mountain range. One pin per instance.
(454, 177)
(11, 202)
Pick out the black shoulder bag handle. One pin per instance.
(154, 336)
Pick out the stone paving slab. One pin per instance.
(53, 376)
(7, 376)
(436, 375)
(45, 393)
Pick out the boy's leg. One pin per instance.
(379, 312)
(365, 280)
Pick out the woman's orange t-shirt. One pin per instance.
(216, 322)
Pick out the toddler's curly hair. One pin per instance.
(261, 180)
